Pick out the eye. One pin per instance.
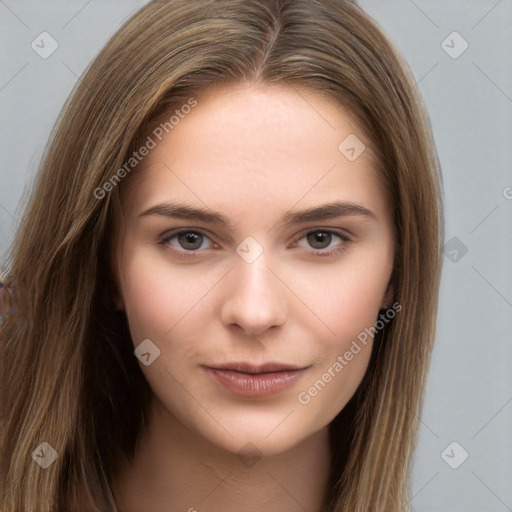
(187, 241)
(319, 239)
(324, 242)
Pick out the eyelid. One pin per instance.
(164, 239)
(332, 251)
(343, 234)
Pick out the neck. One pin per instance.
(176, 469)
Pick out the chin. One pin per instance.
(254, 435)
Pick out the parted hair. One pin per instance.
(70, 378)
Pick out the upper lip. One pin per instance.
(255, 369)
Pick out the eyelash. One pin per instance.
(183, 253)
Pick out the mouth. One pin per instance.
(251, 369)
(249, 380)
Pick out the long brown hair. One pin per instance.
(70, 377)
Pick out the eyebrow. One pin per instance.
(316, 214)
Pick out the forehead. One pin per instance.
(271, 146)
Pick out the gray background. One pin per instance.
(469, 98)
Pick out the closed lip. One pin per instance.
(255, 381)
(251, 369)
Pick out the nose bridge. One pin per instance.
(255, 300)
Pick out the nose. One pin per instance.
(254, 299)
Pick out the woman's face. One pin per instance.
(255, 254)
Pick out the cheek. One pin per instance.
(343, 357)
(156, 300)
(348, 305)
(346, 298)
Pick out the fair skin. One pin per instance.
(255, 155)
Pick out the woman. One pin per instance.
(227, 277)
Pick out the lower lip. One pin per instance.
(255, 385)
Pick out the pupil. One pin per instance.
(319, 239)
(190, 241)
